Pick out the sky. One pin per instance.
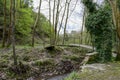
(74, 21)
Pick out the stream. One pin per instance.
(59, 77)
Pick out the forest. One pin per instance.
(59, 39)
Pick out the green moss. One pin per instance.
(72, 57)
(43, 62)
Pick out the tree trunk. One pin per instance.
(50, 22)
(13, 31)
(10, 26)
(68, 8)
(4, 28)
(35, 24)
(56, 21)
(20, 3)
(62, 18)
(83, 22)
(54, 13)
(116, 20)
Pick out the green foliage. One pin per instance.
(25, 19)
(44, 28)
(118, 4)
(1, 6)
(2, 12)
(23, 23)
(90, 5)
(99, 25)
(72, 76)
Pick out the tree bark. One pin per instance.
(35, 24)
(62, 18)
(56, 21)
(66, 21)
(10, 26)
(83, 22)
(54, 13)
(50, 22)
(13, 31)
(116, 20)
(4, 28)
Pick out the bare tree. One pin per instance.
(73, 8)
(66, 21)
(4, 28)
(56, 20)
(116, 20)
(54, 6)
(61, 22)
(50, 22)
(35, 24)
(10, 26)
(20, 3)
(13, 31)
(83, 23)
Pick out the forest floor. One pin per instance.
(45, 63)
(39, 62)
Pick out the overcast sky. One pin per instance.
(75, 20)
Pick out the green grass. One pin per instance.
(111, 73)
(72, 76)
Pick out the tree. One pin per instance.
(4, 28)
(54, 6)
(36, 21)
(13, 31)
(10, 26)
(83, 23)
(50, 22)
(115, 5)
(66, 21)
(56, 21)
(44, 28)
(63, 15)
(24, 19)
(100, 28)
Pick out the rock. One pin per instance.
(94, 67)
(2, 76)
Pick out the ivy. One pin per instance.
(90, 5)
(98, 24)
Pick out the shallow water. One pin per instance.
(59, 77)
